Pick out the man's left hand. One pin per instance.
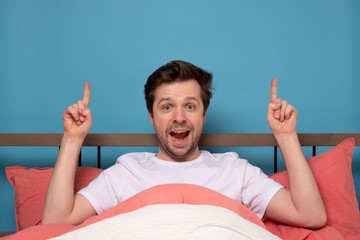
(281, 116)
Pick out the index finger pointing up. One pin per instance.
(86, 98)
(273, 90)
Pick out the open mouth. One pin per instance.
(179, 135)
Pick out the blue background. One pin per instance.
(48, 49)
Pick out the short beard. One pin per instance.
(172, 152)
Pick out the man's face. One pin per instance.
(178, 118)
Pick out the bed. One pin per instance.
(150, 210)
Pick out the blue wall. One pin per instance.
(48, 49)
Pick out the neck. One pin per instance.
(178, 158)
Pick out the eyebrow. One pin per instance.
(170, 99)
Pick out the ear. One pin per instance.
(151, 118)
(205, 112)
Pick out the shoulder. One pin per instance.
(125, 166)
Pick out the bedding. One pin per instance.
(331, 169)
(173, 221)
(160, 195)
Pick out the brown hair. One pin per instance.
(175, 71)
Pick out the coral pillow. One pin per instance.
(332, 171)
(30, 186)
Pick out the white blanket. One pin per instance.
(173, 221)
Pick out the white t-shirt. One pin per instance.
(225, 173)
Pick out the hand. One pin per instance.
(77, 118)
(281, 116)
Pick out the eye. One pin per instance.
(190, 107)
(166, 107)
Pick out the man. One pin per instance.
(177, 97)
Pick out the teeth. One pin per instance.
(173, 133)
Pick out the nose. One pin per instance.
(179, 116)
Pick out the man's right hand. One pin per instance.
(61, 206)
(77, 118)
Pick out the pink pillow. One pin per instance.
(30, 186)
(332, 171)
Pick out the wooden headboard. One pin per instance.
(149, 139)
(100, 140)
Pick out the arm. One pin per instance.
(61, 205)
(302, 204)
